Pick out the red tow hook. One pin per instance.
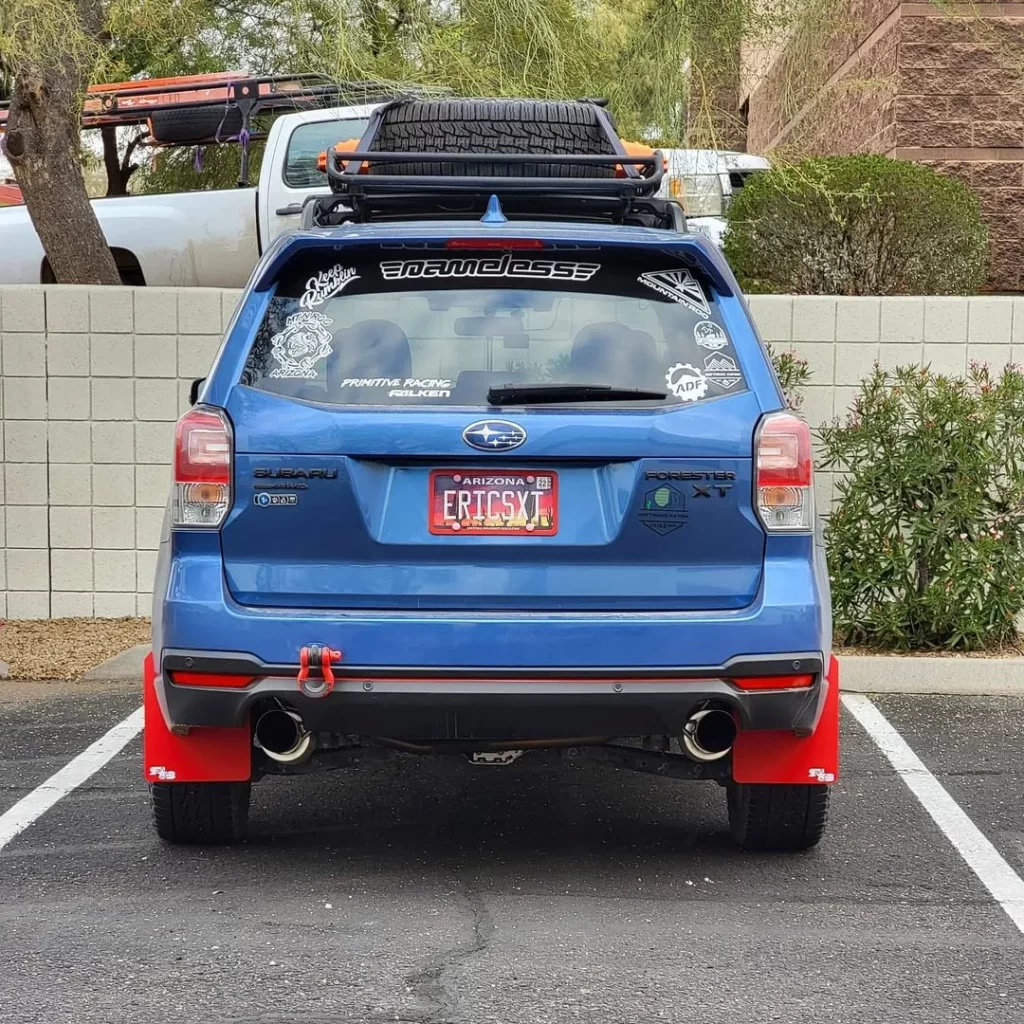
(320, 658)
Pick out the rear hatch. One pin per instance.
(562, 429)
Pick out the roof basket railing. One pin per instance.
(362, 197)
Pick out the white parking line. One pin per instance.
(72, 775)
(981, 856)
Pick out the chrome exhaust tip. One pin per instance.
(280, 734)
(709, 734)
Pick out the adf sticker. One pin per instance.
(304, 341)
(686, 382)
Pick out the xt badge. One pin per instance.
(705, 490)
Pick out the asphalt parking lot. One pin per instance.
(442, 892)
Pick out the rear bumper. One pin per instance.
(466, 704)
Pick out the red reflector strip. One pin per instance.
(208, 679)
(494, 243)
(772, 682)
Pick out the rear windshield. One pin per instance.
(441, 327)
(308, 141)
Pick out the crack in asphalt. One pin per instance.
(427, 983)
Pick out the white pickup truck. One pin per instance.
(215, 238)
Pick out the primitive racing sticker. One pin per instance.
(708, 334)
(489, 266)
(304, 341)
(405, 387)
(679, 286)
(722, 370)
(325, 285)
(686, 382)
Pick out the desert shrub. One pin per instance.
(856, 225)
(793, 374)
(926, 541)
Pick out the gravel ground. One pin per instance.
(65, 648)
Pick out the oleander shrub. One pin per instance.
(856, 225)
(926, 540)
(793, 374)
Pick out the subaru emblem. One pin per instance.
(494, 435)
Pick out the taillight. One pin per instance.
(785, 486)
(202, 469)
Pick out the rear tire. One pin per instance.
(201, 812)
(777, 817)
(493, 126)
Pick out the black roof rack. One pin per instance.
(364, 191)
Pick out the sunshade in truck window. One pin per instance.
(445, 327)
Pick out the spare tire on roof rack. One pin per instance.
(502, 127)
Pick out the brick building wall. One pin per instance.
(942, 85)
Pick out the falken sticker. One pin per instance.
(304, 341)
(409, 387)
(686, 382)
(722, 370)
(679, 286)
(708, 334)
(489, 266)
(325, 285)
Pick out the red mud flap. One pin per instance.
(777, 756)
(204, 755)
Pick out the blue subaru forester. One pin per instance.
(492, 460)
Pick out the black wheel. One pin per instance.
(777, 817)
(201, 812)
(194, 124)
(493, 126)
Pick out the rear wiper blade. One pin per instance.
(537, 394)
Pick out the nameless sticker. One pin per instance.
(686, 382)
(489, 266)
(679, 286)
(708, 334)
(722, 370)
(325, 285)
(304, 341)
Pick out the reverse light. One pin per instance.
(202, 469)
(785, 484)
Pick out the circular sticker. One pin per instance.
(686, 382)
(708, 334)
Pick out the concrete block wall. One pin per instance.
(94, 378)
(842, 339)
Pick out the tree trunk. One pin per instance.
(42, 144)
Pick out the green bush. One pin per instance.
(926, 542)
(793, 373)
(856, 225)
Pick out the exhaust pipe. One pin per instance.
(280, 734)
(709, 734)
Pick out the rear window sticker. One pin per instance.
(664, 510)
(708, 334)
(488, 266)
(679, 286)
(686, 382)
(722, 370)
(408, 387)
(304, 341)
(325, 285)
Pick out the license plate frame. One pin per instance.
(540, 505)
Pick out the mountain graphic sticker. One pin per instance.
(679, 286)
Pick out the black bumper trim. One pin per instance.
(523, 704)
(235, 663)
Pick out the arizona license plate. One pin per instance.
(468, 502)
